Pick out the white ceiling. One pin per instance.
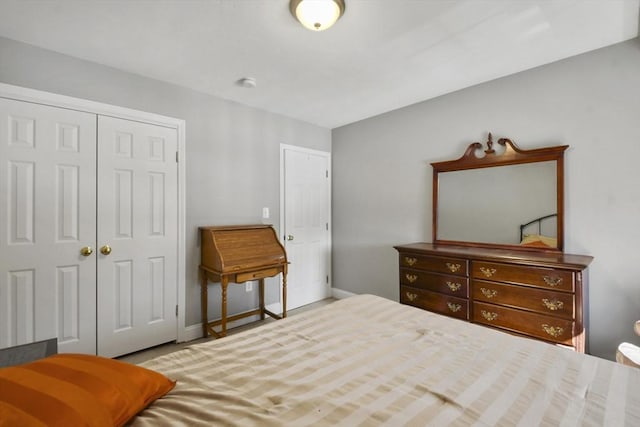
(381, 55)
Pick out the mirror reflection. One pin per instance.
(490, 205)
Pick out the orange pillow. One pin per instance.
(77, 390)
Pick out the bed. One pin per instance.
(361, 361)
(368, 361)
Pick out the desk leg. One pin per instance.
(261, 299)
(284, 295)
(204, 302)
(223, 322)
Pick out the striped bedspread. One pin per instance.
(368, 361)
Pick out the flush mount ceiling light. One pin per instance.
(317, 15)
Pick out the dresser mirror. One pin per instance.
(501, 196)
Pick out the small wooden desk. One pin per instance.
(238, 254)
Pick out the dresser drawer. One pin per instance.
(446, 284)
(558, 304)
(255, 275)
(436, 302)
(536, 325)
(457, 266)
(549, 278)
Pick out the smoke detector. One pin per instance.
(248, 82)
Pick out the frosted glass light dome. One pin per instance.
(317, 15)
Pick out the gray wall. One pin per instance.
(232, 150)
(382, 175)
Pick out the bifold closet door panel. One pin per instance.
(137, 235)
(47, 226)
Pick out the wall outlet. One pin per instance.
(265, 213)
(248, 286)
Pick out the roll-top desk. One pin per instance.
(541, 295)
(238, 254)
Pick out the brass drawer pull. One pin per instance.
(453, 267)
(410, 261)
(454, 286)
(490, 316)
(488, 272)
(489, 293)
(552, 281)
(553, 305)
(411, 297)
(454, 307)
(411, 277)
(554, 331)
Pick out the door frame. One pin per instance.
(327, 155)
(20, 93)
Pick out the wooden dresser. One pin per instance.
(541, 295)
(237, 254)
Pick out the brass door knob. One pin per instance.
(105, 250)
(289, 237)
(86, 251)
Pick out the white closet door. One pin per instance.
(47, 214)
(138, 220)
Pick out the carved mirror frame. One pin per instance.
(512, 155)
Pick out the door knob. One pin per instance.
(105, 250)
(289, 237)
(86, 251)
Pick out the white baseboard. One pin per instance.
(191, 332)
(194, 332)
(276, 307)
(341, 294)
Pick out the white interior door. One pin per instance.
(138, 220)
(307, 206)
(47, 214)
